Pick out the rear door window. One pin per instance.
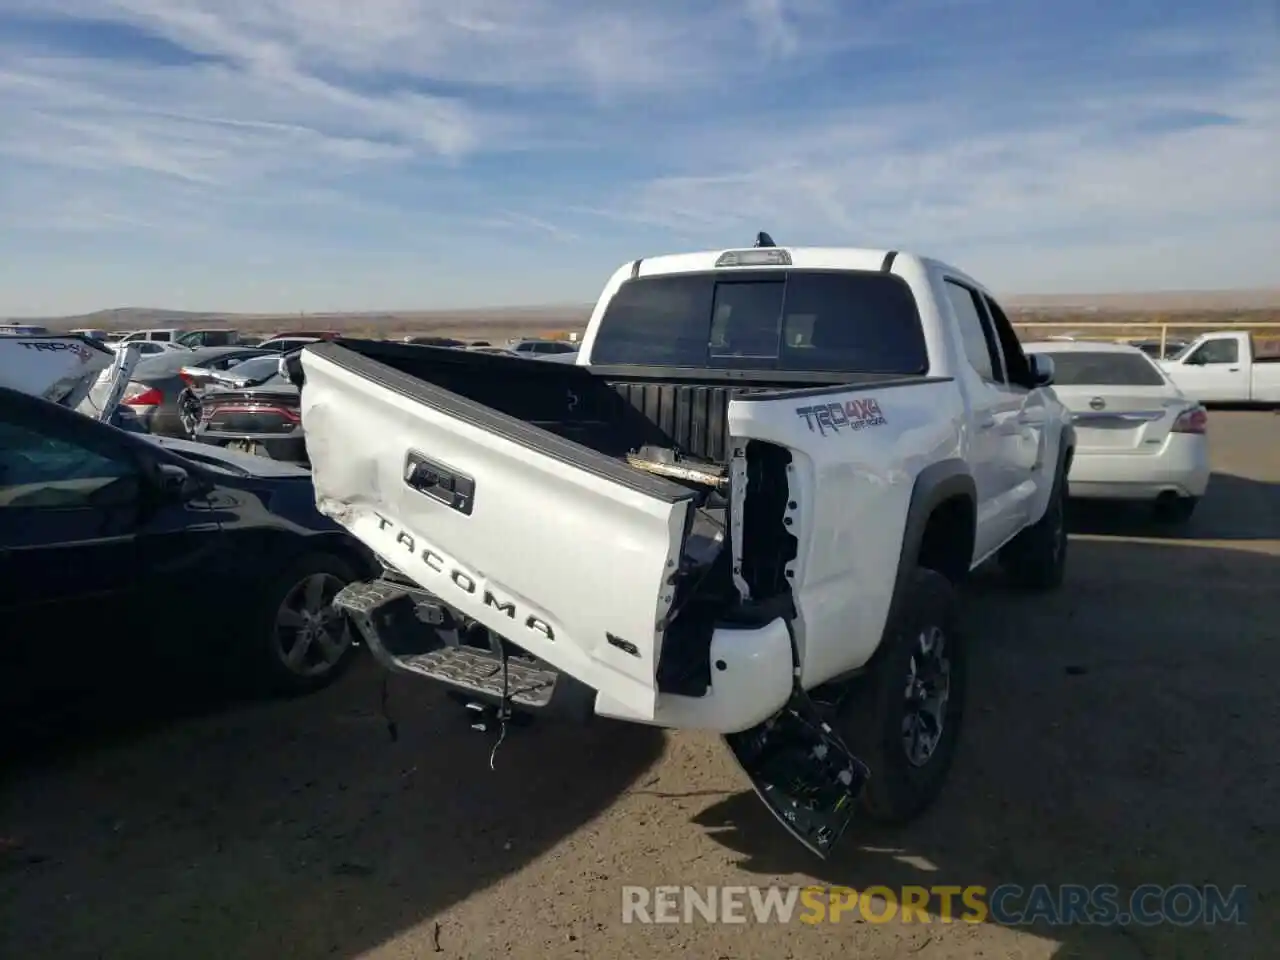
(796, 320)
(1016, 369)
(977, 338)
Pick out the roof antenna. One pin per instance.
(764, 240)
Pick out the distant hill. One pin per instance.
(134, 318)
(139, 318)
(127, 317)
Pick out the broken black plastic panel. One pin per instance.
(804, 773)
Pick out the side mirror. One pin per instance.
(1195, 360)
(177, 483)
(1041, 369)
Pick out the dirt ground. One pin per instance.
(1123, 730)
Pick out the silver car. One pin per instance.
(155, 391)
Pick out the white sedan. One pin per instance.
(1137, 436)
(148, 348)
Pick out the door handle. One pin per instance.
(1233, 369)
(440, 483)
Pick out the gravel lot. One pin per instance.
(1123, 730)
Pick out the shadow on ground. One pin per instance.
(289, 829)
(1124, 730)
(1235, 508)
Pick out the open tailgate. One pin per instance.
(61, 369)
(565, 551)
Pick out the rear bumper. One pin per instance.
(1181, 468)
(159, 419)
(751, 669)
(143, 415)
(751, 680)
(165, 421)
(291, 449)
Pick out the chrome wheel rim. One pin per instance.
(927, 692)
(310, 636)
(189, 412)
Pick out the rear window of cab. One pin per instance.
(793, 320)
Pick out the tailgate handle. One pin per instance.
(439, 482)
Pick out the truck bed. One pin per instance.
(611, 410)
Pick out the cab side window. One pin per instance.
(1216, 351)
(980, 345)
(45, 471)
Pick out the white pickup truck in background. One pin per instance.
(1224, 367)
(744, 509)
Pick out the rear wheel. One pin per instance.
(903, 719)
(303, 643)
(1036, 559)
(189, 412)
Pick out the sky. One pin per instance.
(306, 155)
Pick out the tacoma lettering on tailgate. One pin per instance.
(836, 416)
(463, 581)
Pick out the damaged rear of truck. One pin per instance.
(743, 510)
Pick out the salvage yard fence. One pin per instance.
(1267, 334)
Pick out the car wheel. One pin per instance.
(903, 718)
(304, 643)
(1036, 559)
(1176, 509)
(189, 412)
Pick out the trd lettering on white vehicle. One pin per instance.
(465, 581)
(854, 414)
(56, 346)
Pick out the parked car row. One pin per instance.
(754, 425)
(231, 396)
(213, 462)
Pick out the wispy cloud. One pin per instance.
(1032, 144)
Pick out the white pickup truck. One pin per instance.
(1224, 367)
(744, 509)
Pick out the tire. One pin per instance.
(1036, 559)
(188, 413)
(873, 716)
(1176, 510)
(328, 651)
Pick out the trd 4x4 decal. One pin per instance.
(836, 416)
